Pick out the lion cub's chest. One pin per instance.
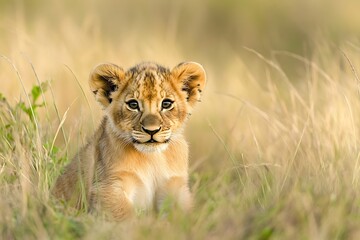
(143, 176)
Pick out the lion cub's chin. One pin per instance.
(150, 147)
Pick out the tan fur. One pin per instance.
(138, 157)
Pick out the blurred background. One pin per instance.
(61, 41)
(274, 144)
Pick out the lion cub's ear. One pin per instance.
(104, 80)
(192, 78)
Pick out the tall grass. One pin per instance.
(274, 145)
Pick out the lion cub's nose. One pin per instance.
(151, 131)
(151, 124)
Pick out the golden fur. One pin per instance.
(138, 157)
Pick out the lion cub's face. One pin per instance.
(148, 104)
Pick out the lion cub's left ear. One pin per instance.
(104, 80)
(192, 78)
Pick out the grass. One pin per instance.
(274, 145)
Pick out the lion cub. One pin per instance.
(138, 157)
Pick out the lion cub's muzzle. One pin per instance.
(151, 140)
(151, 136)
(151, 131)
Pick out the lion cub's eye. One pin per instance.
(167, 104)
(133, 104)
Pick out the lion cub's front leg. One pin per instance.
(119, 195)
(113, 201)
(175, 189)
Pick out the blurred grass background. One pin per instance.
(273, 145)
(64, 40)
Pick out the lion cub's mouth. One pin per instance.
(151, 143)
(140, 137)
(151, 146)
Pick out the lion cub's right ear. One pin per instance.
(104, 80)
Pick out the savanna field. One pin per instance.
(274, 144)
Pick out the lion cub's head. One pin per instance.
(148, 104)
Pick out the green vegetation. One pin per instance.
(275, 143)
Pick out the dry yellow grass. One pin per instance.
(274, 145)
